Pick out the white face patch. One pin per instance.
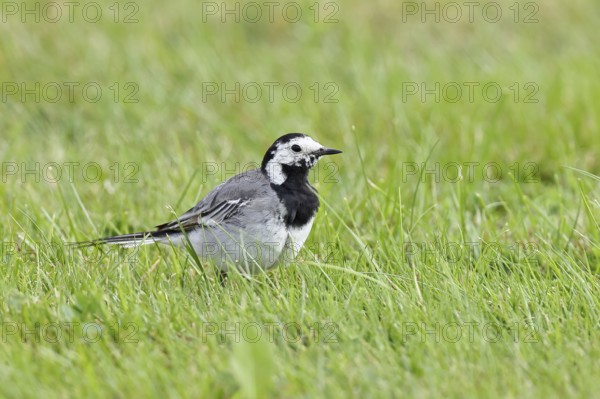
(275, 173)
(288, 154)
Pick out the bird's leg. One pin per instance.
(222, 277)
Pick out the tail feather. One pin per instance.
(131, 240)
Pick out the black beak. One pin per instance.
(328, 151)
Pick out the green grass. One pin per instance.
(411, 285)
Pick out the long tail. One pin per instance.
(133, 239)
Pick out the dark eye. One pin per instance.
(296, 148)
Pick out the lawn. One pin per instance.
(456, 252)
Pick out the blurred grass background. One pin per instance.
(364, 56)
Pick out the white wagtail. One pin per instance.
(256, 219)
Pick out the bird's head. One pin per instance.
(293, 153)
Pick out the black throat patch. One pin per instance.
(298, 196)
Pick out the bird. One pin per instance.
(253, 221)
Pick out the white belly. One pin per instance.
(296, 238)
